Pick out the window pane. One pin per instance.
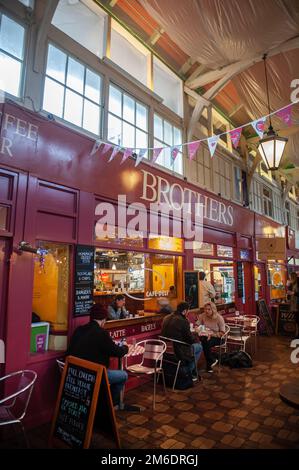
(129, 109)
(73, 107)
(141, 139)
(178, 164)
(128, 139)
(141, 116)
(168, 86)
(10, 74)
(168, 133)
(93, 86)
(177, 136)
(83, 23)
(91, 117)
(114, 129)
(115, 101)
(53, 97)
(75, 75)
(3, 217)
(56, 64)
(12, 37)
(158, 127)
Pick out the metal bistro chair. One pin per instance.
(151, 362)
(60, 365)
(251, 328)
(13, 407)
(237, 336)
(223, 345)
(171, 356)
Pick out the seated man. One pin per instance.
(214, 322)
(92, 343)
(176, 326)
(117, 309)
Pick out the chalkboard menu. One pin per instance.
(267, 323)
(240, 286)
(84, 397)
(84, 280)
(191, 289)
(285, 321)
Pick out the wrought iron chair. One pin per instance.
(13, 406)
(237, 336)
(171, 356)
(223, 345)
(251, 327)
(151, 362)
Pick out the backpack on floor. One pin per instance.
(184, 377)
(237, 360)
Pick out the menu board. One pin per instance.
(84, 396)
(84, 279)
(191, 289)
(285, 321)
(240, 286)
(267, 323)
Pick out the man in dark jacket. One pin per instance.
(176, 326)
(92, 343)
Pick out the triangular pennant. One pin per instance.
(235, 136)
(192, 148)
(114, 153)
(140, 156)
(106, 149)
(259, 126)
(212, 143)
(286, 115)
(95, 147)
(126, 155)
(156, 154)
(174, 152)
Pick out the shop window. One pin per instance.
(204, 249)
(257, 197)
(267, 202)
(168, 86)
(72, 91)
(238, 183)
(3, 218)
(200, 168)
(222, 177)
(12, 44)
(129, 53)
(224, 251)
(51, 286)
(148, 281)
(287, 213)
(83, 21)
(221, 275)
(165, 243)
(165, 134)
(277, 276)
(127, 120)
(245, 255)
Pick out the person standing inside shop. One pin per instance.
(117, 309)
(93, 343)
(293, 294)
(207, 292)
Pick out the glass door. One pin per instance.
(4, 264)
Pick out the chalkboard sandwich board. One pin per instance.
(84, 402)
(191, 289)
(84, 280)
(266, 318)
(286, 321)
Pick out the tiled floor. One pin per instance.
(238, 408)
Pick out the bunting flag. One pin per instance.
(259, 126)
(140, 156)
(156, 154)
(235, 136)
(174, 152)
(192, 149)
(115, 151)
(106, 149)
(212, 143)
(286, 115)
(95, 147)
(126, 155)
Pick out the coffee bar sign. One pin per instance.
(12, 127)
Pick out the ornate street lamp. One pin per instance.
(271, 146)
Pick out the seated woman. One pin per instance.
(212, 320)
(117, 309)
